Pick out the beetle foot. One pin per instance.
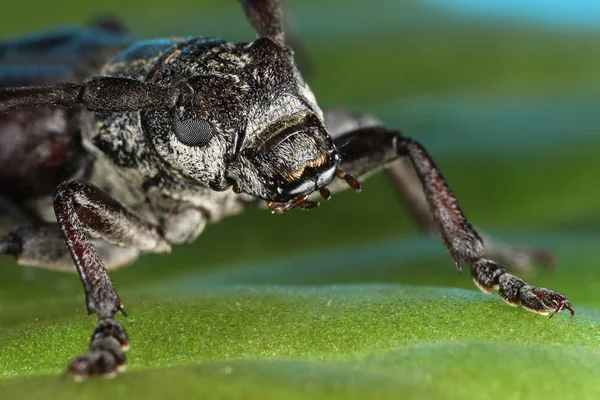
(488, 276)
(106, 354)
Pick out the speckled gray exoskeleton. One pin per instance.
(119, 146)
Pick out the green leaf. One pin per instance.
(279, 341)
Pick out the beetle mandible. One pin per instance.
(133, 146)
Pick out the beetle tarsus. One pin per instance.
(489, 275)
(106, 354)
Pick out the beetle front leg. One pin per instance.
(366, 149)
(519, 258)
(84, 211)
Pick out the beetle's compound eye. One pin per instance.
(194, 132)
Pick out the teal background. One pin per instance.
(349, 301)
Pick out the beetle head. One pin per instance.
(246, 119)
(291, 158)
(285, 152)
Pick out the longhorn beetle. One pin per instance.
(117, 147)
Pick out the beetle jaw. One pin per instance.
(269, 179)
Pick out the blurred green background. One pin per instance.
(349, 300)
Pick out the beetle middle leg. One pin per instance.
(403, 177)
(371, 147)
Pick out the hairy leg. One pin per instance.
(85, 213)
(369, 148)
(520, 258)
(401, 173)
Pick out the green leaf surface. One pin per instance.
(349, 301)
(276, 340)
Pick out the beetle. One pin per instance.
(127, 146)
